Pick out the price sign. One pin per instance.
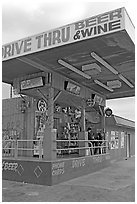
(42, 105)
(108, 112)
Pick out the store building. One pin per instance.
(121, 137)
(120, 132)
(64, 78)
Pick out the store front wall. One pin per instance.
(67, 164)
(121, 141)
(29, 126)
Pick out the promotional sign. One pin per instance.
(32, 83)
(42, 105)
(116, 140)
(99, 25)
(90, 102)
(108, 112)
(122, 139)
(39, 124)
(112, 142)
(40, 118)
(106, 135)
(73, 88)
(99, 100)
(95, 99)
(58, 168)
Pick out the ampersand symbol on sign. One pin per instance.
(77, 35)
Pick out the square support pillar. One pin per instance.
(82, 144)
(49, 140)
(103, 123)
(82, 133)
(49, 145)
(87, 151)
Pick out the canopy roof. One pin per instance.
(119, 121)
(122, 121)
(97, 52)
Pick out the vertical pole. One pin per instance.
(103, 122)
(103, 128)
(16, 148)
(25, 153)
(10, 91)
(40, 149)
(106, 143)
(87, 151)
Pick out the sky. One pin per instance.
(22, 18)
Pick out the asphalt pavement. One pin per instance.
(115, 183)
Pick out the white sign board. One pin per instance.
(32, 83)
(99, 25)
(122, 139)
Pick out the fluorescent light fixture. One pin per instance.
(103, 62)
(74, 69)
(125, 80)
(103, 85)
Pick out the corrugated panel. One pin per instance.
(123, 121)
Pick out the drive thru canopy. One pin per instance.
(97, 52)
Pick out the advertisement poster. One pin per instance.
(112, 139)
(39, 130)
(107, 134)
(122, 139)
(112, 142)
(113, 133)
(116, 140)
(39, 124)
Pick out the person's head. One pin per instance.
(89, 129)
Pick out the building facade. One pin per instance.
(64, 77)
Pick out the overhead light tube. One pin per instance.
(125, 80)
(74, 69)
(114, 71)
(103, 62)
(103, 85)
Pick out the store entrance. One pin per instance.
(76, 125)
(71, 127)
(67, 124)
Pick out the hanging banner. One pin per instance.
(95, 26)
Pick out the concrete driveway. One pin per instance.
(115, 183)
